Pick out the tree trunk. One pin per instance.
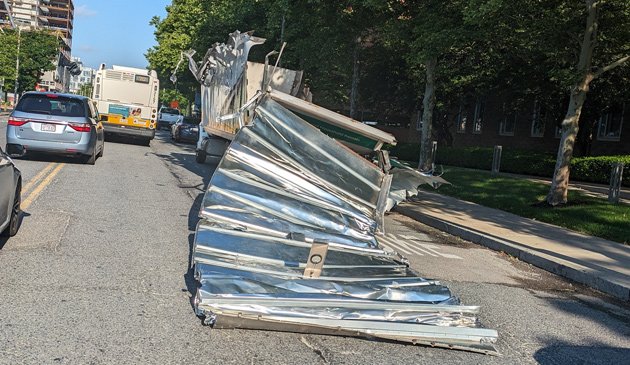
(428, 103)
(354, 91)
(570, 125)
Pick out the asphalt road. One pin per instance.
(99, 273)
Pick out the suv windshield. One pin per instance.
(51, 105)
(170, 111)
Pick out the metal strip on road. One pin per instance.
(41, 186)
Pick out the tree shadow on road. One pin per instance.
(561, 352)
(189, 276)
(3, 239)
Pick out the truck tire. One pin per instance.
(200, 156)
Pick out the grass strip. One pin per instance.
(586, 214)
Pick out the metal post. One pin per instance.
(434, 146)
(616, 175)
(496, 160)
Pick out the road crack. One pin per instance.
(316, 349)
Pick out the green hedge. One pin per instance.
(588, 169)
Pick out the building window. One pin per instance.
(610, 124)
(507, 125)
(479, 110)
(462, 118)
(538, 120)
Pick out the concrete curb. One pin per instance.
(570, 270)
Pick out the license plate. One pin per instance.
(49, 127)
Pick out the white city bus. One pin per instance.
(127, 100)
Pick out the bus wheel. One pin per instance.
(200, 156)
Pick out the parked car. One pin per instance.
(10, 196)
(167, 117)
(63, 124)
(186, 130)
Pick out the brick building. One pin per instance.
(486, 122)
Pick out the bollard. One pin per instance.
(496, 160)
(616, 175)
(433, 154)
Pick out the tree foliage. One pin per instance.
(519, 50)
(38, 50)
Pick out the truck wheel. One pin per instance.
(200, 156)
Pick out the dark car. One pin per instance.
(54, 123)
(186, 130)
(10, 196)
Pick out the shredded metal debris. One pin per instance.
(289, 233)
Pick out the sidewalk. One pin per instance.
(598, 263)
(592, 189)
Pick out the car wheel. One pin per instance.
(90, 159)
(100, 154)
(14, 223)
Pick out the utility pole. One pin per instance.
(17, 68)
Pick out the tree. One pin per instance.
(585, 74)
(38, 50)
(177, 32)
(86, 89)
(427, 32)
(544, 49)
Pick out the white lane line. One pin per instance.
(412, 246)
(435, 248)
(419, 237)
(393, 245)
(415, 247)
(397, 242)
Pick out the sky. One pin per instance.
(115, 31)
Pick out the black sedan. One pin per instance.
(186, 130)
(10, 196)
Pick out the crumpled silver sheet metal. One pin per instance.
(405, 183)
(281, 168)
(222, 74)
(283, 185)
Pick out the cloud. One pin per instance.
(83, 10)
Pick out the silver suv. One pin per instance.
(55, 123)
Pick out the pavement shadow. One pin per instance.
(46, 157)
(187, 161)
(189, 276)
(561, 352)
(616, 320)
(112, 138)
(3, 239)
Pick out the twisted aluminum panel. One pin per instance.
(283, 185)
